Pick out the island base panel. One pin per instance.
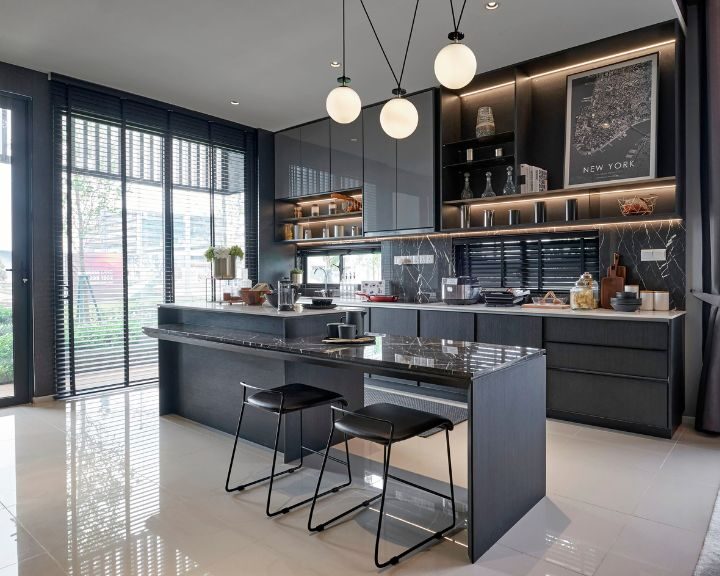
(202, 384)
(506, 450)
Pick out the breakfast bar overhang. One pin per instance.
(206, 350)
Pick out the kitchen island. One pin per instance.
(205, 351)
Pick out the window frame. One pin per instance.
(302, 257)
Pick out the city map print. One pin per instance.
(610, 131)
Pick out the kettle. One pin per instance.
(286, 295)
(356, 317)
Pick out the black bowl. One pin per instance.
(321, 301)
(625, 305)
(626, 296)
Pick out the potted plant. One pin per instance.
(296, 276)
(223, 259)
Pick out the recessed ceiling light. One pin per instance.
(235, 102)
(492, 5)
(335, 64)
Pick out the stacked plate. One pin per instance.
(625, 302)
(504, 296)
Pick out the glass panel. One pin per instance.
(362, 266)
(323, 269)
(229, 202)
(145, 255)
(6, 327)
(191, 219)
(97, 255)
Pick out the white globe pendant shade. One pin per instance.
(343, 104)
(455, 66)
(399, 118)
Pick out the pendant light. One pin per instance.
(398, 117)
(455, 64)
(343, 103)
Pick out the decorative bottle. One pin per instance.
(466, 193)
(509, 187)
(488, 193)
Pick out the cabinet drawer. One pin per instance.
(632, 334)
(647, 363)
(508, 330)
(448, 325)
(615, 398)
(393, 321)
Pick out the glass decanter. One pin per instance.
(509, 187)
(489, 192)
(466, 193)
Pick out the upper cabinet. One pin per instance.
(399, 188)
(302, 160)
(288, 163)
(416, 154)
(380, 174)
(315, 155)
(346, 150)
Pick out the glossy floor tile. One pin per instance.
(102, 486)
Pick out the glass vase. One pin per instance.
(485, 124)
(466, 193)
(489, 192)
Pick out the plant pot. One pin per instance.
(224, 268)
(296, 279)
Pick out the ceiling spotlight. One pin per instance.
(334, 64)
(235, 102)
(492, 5)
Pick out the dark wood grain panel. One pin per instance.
(630, 334)
(509, 330)
(624, 361)
(447, 325)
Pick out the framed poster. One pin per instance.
(611, 123)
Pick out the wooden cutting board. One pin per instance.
(612, 283)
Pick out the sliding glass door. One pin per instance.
(14, 261)
(138, 209)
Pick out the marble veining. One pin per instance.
(408, 280)
(628, 241)
(462, 360)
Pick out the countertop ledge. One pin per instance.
(598, 314)
(462, 360)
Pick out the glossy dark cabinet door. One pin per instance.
(415, 202)
(379, 174)
(346, 155)
(288, 164)
(315, 154)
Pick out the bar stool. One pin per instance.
(386, 424)
(282, 400)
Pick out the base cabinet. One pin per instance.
(626, 375)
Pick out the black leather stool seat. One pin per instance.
(407, 423)
(294, 397)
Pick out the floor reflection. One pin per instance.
(113, 489)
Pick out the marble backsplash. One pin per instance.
(628, 241)
(407, 280)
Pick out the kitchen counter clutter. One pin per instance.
(599, 313)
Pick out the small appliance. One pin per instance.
(460, 290)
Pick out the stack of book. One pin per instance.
(532, 179)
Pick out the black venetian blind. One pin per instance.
(141, 191)
(535, 263)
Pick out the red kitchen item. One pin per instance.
(377, 297)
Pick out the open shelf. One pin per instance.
(352, 192)
(587, 223)
(482, 163)
(610, 188)
(326, 217)
(499, 138)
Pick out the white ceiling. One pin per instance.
(273, 55)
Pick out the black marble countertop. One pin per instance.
(462, 361)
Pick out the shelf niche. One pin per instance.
(528, 101)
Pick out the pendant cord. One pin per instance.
(343, 40)
(407, 48)
(456, 25)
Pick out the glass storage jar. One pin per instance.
(584, 295)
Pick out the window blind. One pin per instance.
(538, 263)
(141, 191)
